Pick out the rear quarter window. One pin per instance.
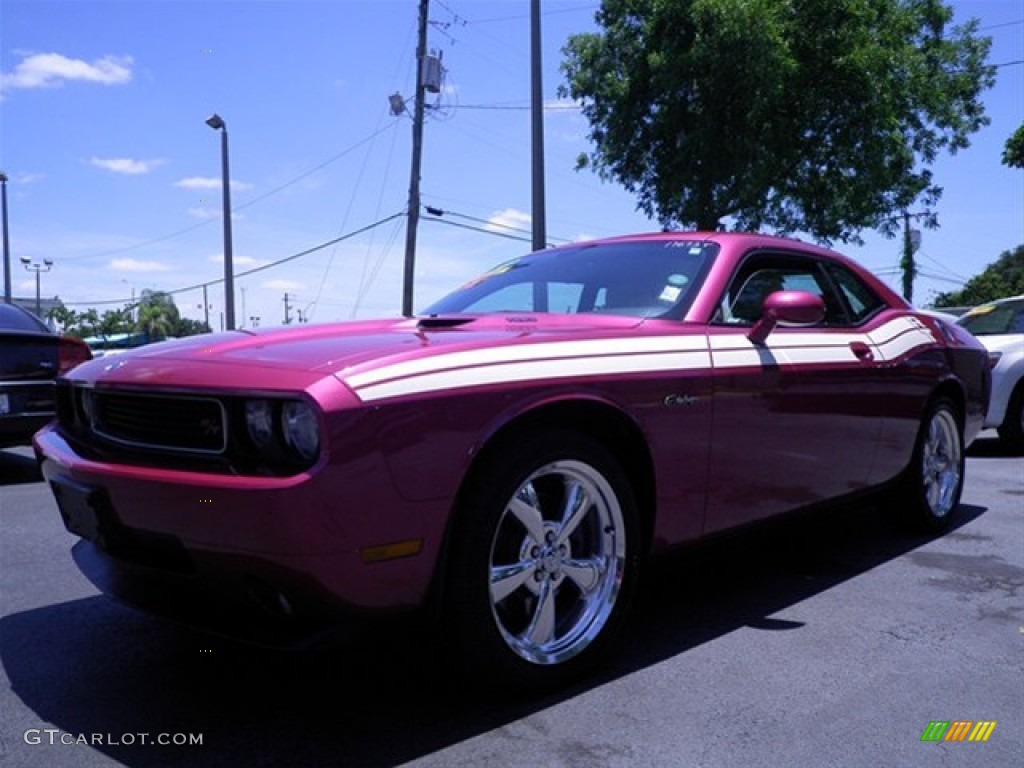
(861, 299)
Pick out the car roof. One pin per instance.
(17, 318)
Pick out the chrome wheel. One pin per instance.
(942, 463)
(557, 561)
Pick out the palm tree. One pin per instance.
(158, 315)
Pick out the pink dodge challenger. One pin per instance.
(509, 458)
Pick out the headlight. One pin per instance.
(299, 426)
(259, 420)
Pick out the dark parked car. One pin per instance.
(31, 357)
(509, 458)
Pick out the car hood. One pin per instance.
(1007, 343)
(294, 356)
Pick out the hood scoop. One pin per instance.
(434, 321)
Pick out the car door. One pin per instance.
(795, 418)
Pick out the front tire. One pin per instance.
(935, 478)
(543, 560)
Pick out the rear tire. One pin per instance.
(934, 480)
(544, 561)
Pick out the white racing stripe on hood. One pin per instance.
(539, 352)
(536, 370)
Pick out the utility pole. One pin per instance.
(417, 156)
(287, 311)
(206, 309)
(7, 244)
(911, 242)
(537, 130)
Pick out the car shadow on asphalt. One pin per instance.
(90, 666)
(17, 467)
(992, 448)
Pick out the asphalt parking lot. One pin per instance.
(831, 641)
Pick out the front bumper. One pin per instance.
(277, 561)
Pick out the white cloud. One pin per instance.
(568, 106)
(125, 165)
(29, 178)
(510, 218)
(198, 182)
(134, 265)
(208, 214)
(50, 70)
(204, 213)
(282, 285)
(207, 182)
(238, 261)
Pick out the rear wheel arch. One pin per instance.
(953, 393)
(932, 483)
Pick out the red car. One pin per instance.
(508, 459)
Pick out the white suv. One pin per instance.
(1000, 327)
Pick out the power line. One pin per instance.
(1004, 24)
(254, 270)
(248, 203)
(574, 9)
(481, 229)
(440, 212)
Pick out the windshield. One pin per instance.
(649, 278)
(995, 319)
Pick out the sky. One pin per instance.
(114, 175)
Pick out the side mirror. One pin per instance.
(798, 308)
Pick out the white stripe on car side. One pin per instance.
(900, 337)
(543, 361)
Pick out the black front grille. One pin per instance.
(168, 422)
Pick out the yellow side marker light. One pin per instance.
(392, 551)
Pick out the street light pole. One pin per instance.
(7, 245)
(538, 210)
(33, 266)
(216, 122)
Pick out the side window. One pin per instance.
(762, 274)
(862, 301)
(1017, 325)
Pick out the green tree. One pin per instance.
(189, 327)
(1002, 278)
(88, 322)
(1013, 154)
(114, 321)
(819, 116)
(65, 318)
(158, 315)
